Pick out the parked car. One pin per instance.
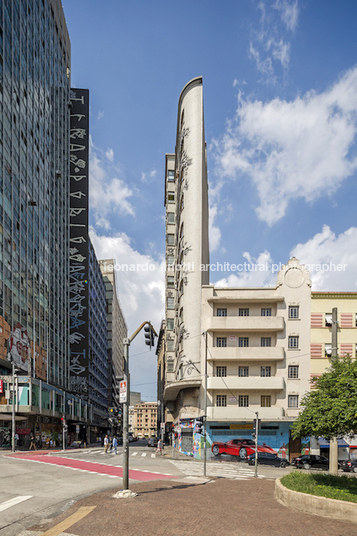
(349, 465)
(152, 442)
(310, 461)
(266, 458)
(239, 447)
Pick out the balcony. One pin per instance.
(253, 353)
(245, 323)
(172, 389)
(236, 413)
(256, 383)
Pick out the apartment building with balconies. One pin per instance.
(258, 357)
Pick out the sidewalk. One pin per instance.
(192, 507)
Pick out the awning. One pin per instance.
(325, 443)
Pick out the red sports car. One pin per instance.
(239, 447)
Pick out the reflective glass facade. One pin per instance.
(34, 188)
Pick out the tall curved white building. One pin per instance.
(187, 252)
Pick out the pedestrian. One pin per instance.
(159, 447)
(32, 442)
(115, 445)
(106, 444)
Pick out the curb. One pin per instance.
(312, 504)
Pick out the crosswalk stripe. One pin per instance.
(14, 501)
(143, 454)
(153, 456)
(134, 454)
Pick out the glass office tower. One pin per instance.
(34, 188)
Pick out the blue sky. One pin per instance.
(280, 97)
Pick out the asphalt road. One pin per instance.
(38, 487)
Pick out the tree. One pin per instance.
(330, 409)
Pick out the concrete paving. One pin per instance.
(202, 507)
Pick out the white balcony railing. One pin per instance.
(245, 323)
(237, 413)
(252, 382)
(252, 353)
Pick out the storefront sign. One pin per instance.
(233, 338)
(241, 426)
(1, 386)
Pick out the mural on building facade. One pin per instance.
(79, 160)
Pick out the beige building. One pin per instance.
(322, 304)
(145, 419)
(258, 339)
(117, 330)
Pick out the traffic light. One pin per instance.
(64, 424)
(149, 336)
(199, 425)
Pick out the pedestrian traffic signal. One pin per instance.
(199, 425)
(149, 336)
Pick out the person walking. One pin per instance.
(115, 445)
(32, 442)
(106, 444)
(159, 447)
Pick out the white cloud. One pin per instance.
(292, 149)
(214, 232)
(151, 174)
(110, 155)
(100, 116)
(142, 298)
(108, 193)
(267, 47)
(324, 253)
(254, 272)
(289, 12)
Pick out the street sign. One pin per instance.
(162, 426)
(122, 391)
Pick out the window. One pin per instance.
(170, 346)
(243, 372)
(265, 341)
(171, 197)
(265, 371)
(293, 371)
(266, 311)
(293, 311)
(293, 343)
(171, 175)
(293, 401)
(221, 400)
(221, 312)
(170, 324)
(170, 217)
(170, 260)
(170, 366)
(243, 342)
(265, 401)
(221, 342)
(221, 372)
(171, 303)
(328, 320)
(170, 281)
(243, 311)
(328, 350)
(170, 239)
(243, 401)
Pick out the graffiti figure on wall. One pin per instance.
(19, 347)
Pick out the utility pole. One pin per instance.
(152, 333)
(333, 459)
(13, 408)
(256, 445)
(205, 413)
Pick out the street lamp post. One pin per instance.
(126, 402)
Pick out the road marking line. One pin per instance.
(134, 454)
(14, 501)
(143, 454)
(71, 520)
(153, 456)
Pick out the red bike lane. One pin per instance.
(92, 467)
